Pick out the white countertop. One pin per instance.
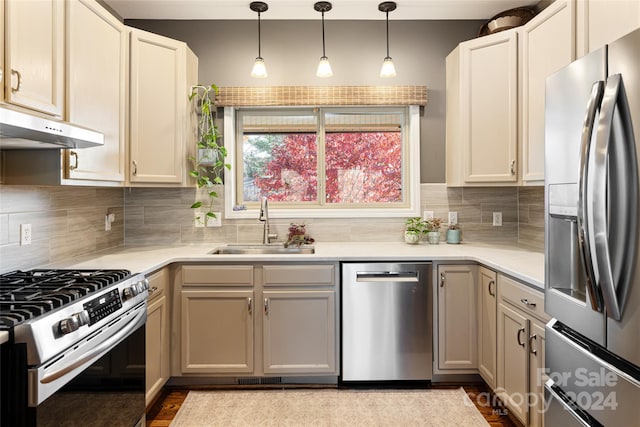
(528, 266)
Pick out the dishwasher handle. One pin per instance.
(387, 276)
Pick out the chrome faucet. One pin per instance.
(264, 217)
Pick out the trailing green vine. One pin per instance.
(208, 162)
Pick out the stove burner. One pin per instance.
(25, 295)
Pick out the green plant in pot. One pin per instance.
(208, 162)
(414, 228)
(453, 234)
(433, 230)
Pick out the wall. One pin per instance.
(291, 49)
(66, 222)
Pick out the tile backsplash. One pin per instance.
(69, 221)
(66, 222)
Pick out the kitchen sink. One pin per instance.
(262, 249)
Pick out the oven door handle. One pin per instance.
(97, 351)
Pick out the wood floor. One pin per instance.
(164, 409)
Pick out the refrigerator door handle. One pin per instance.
(584, 238)
(615, 198)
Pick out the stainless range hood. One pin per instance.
(20, 131)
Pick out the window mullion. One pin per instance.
(321, 167)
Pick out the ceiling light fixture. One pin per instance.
(259, 69)
(324, 68)
(388, 69)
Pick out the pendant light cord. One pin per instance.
(387, 33)
(259, 44)
(323, 53)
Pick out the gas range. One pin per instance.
(49, 310)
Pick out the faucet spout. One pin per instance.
(267, 236)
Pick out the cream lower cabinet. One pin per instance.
(162, 71)
(157, 335)
(487, 325)
(457, 318)
(521, 320)
(257, 320)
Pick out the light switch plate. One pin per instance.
(497, 219)
(427, 215)
(215, 222)
(453, 218)
(25, 234)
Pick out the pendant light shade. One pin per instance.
(324, 68)
(259, 69)
(388, 68)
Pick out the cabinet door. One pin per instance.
(96, 97)
(489, 79)
(299, 332)
(487, 325)
(537, 376)
(555, 26)
(158, 108)
(603, 21)
(217, 331)
(34, 56)
(157, 347)
(513, 370)
(457, 319)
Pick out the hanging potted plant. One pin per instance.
(208, 162)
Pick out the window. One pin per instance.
(323, 162)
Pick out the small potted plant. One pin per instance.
(433, 230)
(414, 228)
(453, 234)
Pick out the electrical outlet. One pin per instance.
(453, 218)
(427, 215)
(198, 219)
(25, 234)
(497, 219)
(107, 223)
(215, 222)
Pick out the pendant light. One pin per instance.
(324, 68)
(388, 69)
(259, 70)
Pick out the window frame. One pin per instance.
(411, 172)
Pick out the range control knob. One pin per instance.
(70, 324)
(133, 290)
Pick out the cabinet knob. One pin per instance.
(492, 293)
(533, 338)
(17, 74)
(520, 331)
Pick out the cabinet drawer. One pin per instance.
(527, 299)
(222, 275)
(158, 284)
(295, 275)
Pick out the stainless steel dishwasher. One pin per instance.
(386, 322)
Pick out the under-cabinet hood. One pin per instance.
(20, 131)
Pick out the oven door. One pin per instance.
(104, 386)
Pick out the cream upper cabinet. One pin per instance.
(600, 22)
(546, 44)
(457, 320)
(487, 322)
(482, 111)
(97, 64)
(34, 55)
(159, 92)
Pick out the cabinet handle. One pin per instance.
(493, 294)
(520, 343)
(527, 303)
(17, 73)
(153, 289)
(135, 167)
(266, 306)
(513, 167)
(441, 280)
(532, 338)
(75, 165)
(250, 305)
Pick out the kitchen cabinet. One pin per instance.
(157, 335)
(487, 325)
(554, 26)
(257, 320)
(457, 292)
(97, 50)
(521, 320)
(34, 55)
(482, 111)
(600, 22)
(162, 72)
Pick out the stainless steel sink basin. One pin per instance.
(262, 250)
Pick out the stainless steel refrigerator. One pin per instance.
(592, 258)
